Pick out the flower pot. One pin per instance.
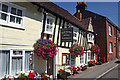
(64, 77)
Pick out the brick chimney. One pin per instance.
(81, 6)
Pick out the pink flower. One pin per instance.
(50, 41)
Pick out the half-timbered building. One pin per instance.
(22, 24)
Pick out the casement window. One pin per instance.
(75, 34)
(110, 30)
(73, 60)
(49, 25)
(92, 56)
(110, 47)
(13, 61)
(90, 37)
(4, 63)
(12, 15)
(89, 56)
(81, 59)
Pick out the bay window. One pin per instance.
(11, 15)
(14, 61)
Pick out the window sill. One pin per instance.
(90, 41)
(110, 52)
(46, 32)
(75, 38)
(12, 25)
(110, 35)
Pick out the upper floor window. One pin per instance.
(75, 34)
(90, 37)
(110, 30)
(49, 25)
(110, 47)
(12, 15)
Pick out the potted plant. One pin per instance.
(45, 76)
(45, 48)
(62, 74)
(76, 50)
(95, 49)
(91, 63)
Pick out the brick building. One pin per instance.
(107, 33)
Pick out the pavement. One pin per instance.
(98, 72)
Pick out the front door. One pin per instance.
(50, 66)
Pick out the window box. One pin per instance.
(12, 15)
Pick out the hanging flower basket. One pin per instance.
(76, 50)
(45, 49)
(95, 49)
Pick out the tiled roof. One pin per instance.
(104, 17)
(59, 11)
(85, 22)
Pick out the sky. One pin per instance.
(108, 9)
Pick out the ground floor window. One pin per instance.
(13, 61)
(89, 56)
(81, 59)
(68, 59)
(4, 62)
(92, 56)
(73, 60)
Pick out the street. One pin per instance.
(107, 70)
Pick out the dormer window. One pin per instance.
(90, 37)
(49, 25)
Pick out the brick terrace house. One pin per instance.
(107, 33)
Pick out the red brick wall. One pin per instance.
(100, 26)
(114, 40)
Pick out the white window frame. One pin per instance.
(7, 22)
(12, 55)
(75, 29)
(110, 30)
(48, 32)
(88, 55)
(90, 37)
(83, 59)
(110, 48)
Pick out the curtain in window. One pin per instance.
(4, 62)
(28, 55)
(16, 64)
